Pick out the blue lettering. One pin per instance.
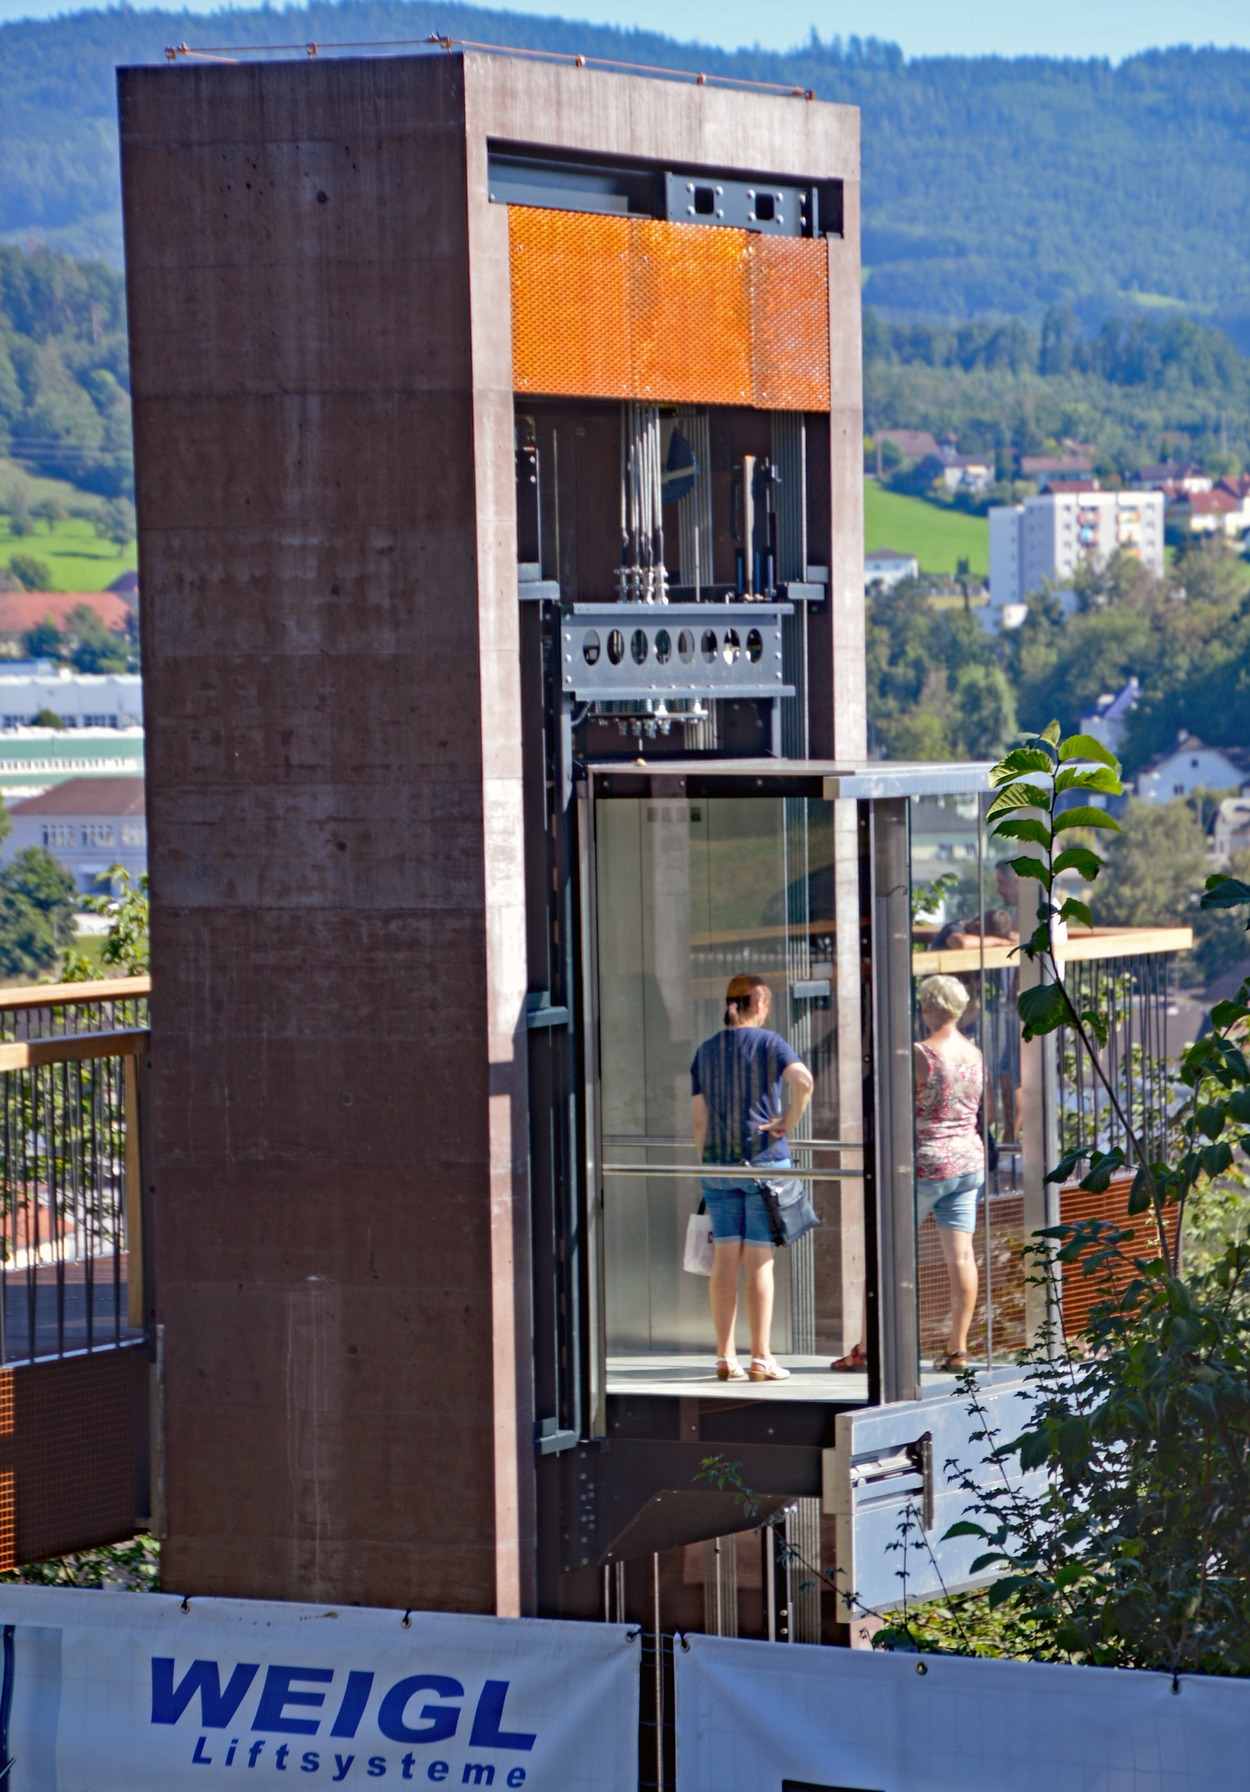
(277, 1694)
(341, 1766)
(442, 1719)
(216, 1708)
(486, 1731)
(517, 1777)
(481, 1772)
(234, 1743)
(355, 1698)
(439, 1770)
(253, 1754)
(279, 1759)
(199, 1755)
(377, 1767)
(310, 1763)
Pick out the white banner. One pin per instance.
(768, 1717)
(130, 1692)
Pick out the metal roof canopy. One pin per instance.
(825, 778)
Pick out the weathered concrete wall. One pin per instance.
(335, 819)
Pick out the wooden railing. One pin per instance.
(71, 1208)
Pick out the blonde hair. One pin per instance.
(943, 995)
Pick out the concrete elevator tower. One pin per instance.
(423, 349)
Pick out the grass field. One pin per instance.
(938, 538)
(77, 558)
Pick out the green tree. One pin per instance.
(44, 641)
(985, 706)
(116, 523)
(50, 510)
(38, 901)
(48, 718)
(1154, 866)
(31, 573)
(95, 648)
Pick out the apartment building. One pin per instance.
(1049, 538)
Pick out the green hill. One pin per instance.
(938, 538)
(989, 185)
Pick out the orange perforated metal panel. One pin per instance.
(608, 307)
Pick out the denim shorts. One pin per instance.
(952, 1200)
(738, 1213)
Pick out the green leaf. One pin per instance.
(1078, 858)
(1224, 892)
(1034, 1448)
(1005, 1589)
(965, 1528)
(1211, 1119)
(1031, 868)
(1139, 1194)
(1086, 818)
(1018, 796)
(1100, 779)
(1067, 1163)
(1022, 759)
(1073, 910)
(1050, 734)
(1041, 1009)
(1096, 1024)
(1023, 827)
(1239, 1106)
(1226, 1014)
(1102, 1167)
(1084, 746)
(1216, 1158)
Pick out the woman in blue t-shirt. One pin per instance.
(749, 1091)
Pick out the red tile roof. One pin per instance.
(86, 796)
(21, 610)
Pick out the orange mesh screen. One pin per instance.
(678, 313)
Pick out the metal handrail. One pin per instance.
(756, 1172)
(631, 1138)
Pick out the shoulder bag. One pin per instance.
(790, 1211)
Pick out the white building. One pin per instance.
(89, 824)
(885, 567)
(1106, 720)
(1191, 767)
(80, 699)
(1049, 538)
(32, 760)
(1230, 827)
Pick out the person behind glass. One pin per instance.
(950, 1152)
(749, 1091)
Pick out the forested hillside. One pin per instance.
(64, 370)
(990, 186)
(1143, 386)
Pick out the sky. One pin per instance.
(960, 27)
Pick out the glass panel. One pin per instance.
(965, 923)
(690, 893)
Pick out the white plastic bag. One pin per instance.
(698, 1257)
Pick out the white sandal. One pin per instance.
(728, 1368)
(767, 1368)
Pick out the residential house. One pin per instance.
(1106, 720)
(1213, 512)
(20, 611)
(1189, 767)
(912, 444)
(886, 567)
(967, 472)
(1042, 468)
(88, 824)
(1175, 475)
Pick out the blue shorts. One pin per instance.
(952, 1200)
(738, 1213)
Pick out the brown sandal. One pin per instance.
(954, 1362)
(853, 1360)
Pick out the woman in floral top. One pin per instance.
(950, 1152)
